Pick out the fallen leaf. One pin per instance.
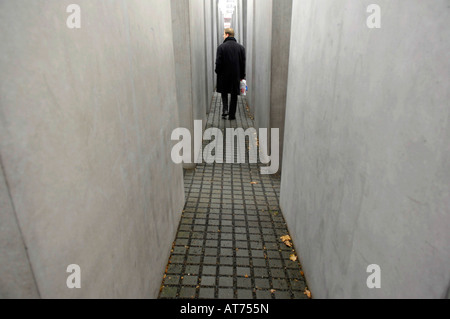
(307, 293)
(286, 239)
(293, 257)
(272, 290)
(302, 273)
(246, 276)
(253, 183)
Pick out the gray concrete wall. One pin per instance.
(262, 55)
(16, 275)
(268, 27)
(281, 39)
(250, 53)
(220, 29)
(198, 59)
(188, 23)
(215, 39)
(235, 22)
(366, 176)
(86, 118)
(183, 67)
(244, 22)
(240, 21)
(209, 53)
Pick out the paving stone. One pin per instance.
(209, 270)
(278, 273)
(190, 280)
(208, 281)
(174, 269)
(226, 282)
(244, 282)
(226, 271)
(226, 293)
(226, 260)
(297, 284)
(282, 294)
(171, 280)
(168, 292)
(263, 294)
(206, 293)
(259, 262)
(243, 261)
(262, 283)
(280, 284)
(210, 260)
(243, 271)
(193, 259)
(187, 293)
(244, 294)
(192, 270)
(261, 272)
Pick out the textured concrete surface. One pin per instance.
(366, 174)
(262, 55)
(86, 117)
(268, 28)
(209, 52)
(188, 24)
(250, 38)
(281, 39)
(16, 275)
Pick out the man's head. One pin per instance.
(229, 32)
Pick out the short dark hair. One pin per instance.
(229, 31)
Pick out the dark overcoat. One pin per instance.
(230, 66)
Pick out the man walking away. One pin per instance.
(230, 69)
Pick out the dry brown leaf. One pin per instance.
(286, 239)
(307, 293)
(253, 183)
(293, 257)
(302, 273)
(272, 290)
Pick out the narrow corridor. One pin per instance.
(100, 102)
(229, 240)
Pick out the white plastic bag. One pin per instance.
(243, 87)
